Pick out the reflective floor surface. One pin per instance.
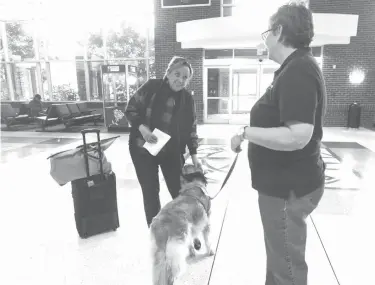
(39, 243)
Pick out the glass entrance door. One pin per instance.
(231, 91)
(218, 94)
(244, 93)
(267, 73)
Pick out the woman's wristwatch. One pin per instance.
(242, 133)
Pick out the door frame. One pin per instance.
(206, 98)
(232, 66)
(253, 66)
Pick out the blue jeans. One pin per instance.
(284, 225)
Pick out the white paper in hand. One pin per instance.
(154, 148)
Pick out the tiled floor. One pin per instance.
(39, 243)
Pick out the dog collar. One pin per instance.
(204, 207)
(202, 188)
(205, 192)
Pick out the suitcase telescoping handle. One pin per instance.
(97, 131)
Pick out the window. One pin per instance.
(95, 80)
(316, 51)
(246, 53)
(266, 80)
(4, 91)
(227, 11)
(20, 40)
(184, 3)
(24, 81)
(227, 7)
(259, 9)
(218, 53)
(59, 44)
(59, 56)
(126, 40)
(64, 81)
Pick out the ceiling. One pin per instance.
(23, 10)
(245, 32)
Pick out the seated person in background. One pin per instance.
(36, 106)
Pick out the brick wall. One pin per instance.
(360, 53)
(166, 46)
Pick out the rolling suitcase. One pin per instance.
(95, 198)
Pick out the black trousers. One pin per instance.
(147, 169)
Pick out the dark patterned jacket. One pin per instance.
(183, 122)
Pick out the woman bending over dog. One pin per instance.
(164, 104)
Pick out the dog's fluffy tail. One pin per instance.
(168, 263)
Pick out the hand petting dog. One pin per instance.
(197, 164)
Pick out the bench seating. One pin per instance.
(68, 114)
(71, 115)
(82, 106)
(10, 117)
(83, 113)
(50, 119)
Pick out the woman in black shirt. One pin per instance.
(164, 104)
(285, 132)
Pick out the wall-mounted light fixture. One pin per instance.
(356, 76)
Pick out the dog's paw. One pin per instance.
(211, 252)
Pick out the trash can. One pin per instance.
(354, 115)
(115, 118)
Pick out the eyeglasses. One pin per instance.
(182, 61)
(265, 34)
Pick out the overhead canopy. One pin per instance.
(243, 32)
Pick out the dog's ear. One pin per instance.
(190, 168)
(190, 177)
(199, 168)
